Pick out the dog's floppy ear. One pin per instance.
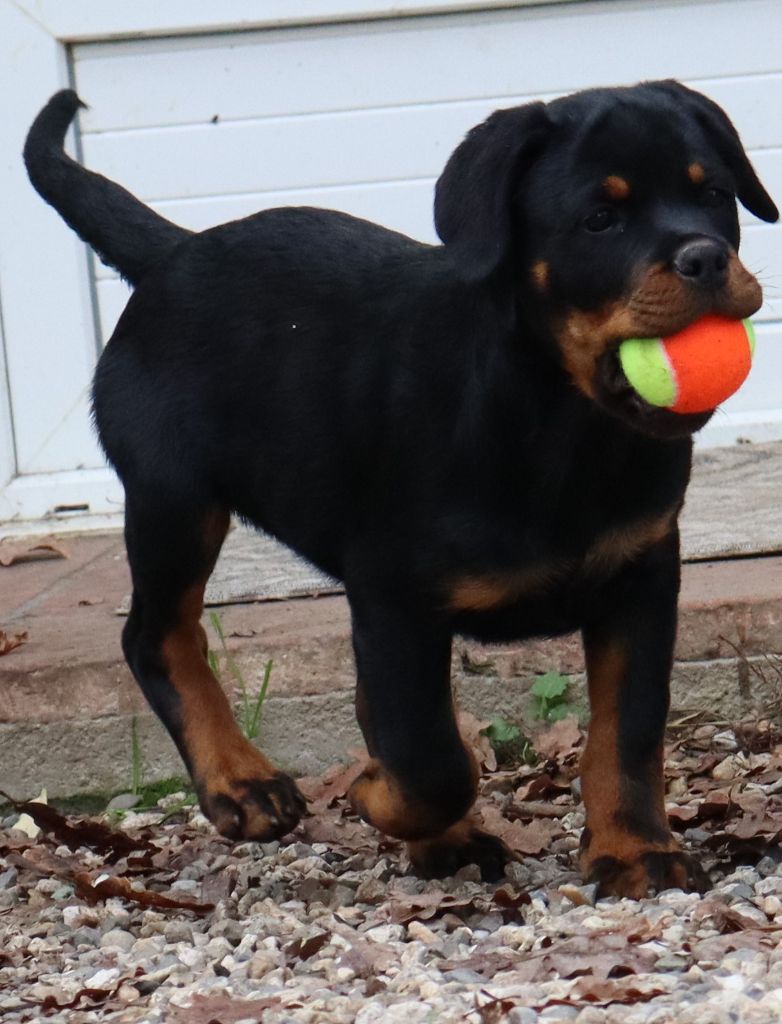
(472, 202)
(719, 129)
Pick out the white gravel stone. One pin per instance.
(522, 1015)
(77, 915)
(118, 939)
(104, 978)
(418, 930)
(385, 933)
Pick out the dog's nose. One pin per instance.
(702, 261)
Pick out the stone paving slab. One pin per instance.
(67, 698)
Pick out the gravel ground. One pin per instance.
(161, 920)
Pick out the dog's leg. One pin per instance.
(172, 552)
(627, 846)
(422, 780)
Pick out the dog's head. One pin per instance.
(611, 214)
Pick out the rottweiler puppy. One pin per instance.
(445, 428)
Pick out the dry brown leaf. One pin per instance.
(402, 908)
(303, 949)
(76, 832)
(680, 815)
(754, 801)
(559, 740)
(749, 826)
(85, 999)
(94, 887)
(509, 904)
(728, 920)
(471, 730)
(597, 957)
(732, 767)
(531, 839)
(715, 805)
(542, 785)
(367, 959)
(10, 643)
(597, 992)
(495, 1011)
(224, 1009)
(14, 552)
(324, 791)
(336, 832)
(600, 965)
(486, 963)
(716, 949)
(218, 885)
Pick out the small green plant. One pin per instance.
(252, 706)
(551, 697)
(509, 743)
(187, 801)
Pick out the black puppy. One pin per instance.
(445, 428)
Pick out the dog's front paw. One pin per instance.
(461, 844)
(252, 808)
(648, 872)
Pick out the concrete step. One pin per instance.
(67, 698)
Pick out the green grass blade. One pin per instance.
(255, 724)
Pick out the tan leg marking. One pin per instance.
(623, 863)
(379, 799)
(240, 790)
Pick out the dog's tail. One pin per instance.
(126, 234)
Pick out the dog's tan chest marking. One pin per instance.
(615, 547)
(608, 553)
(483, 593)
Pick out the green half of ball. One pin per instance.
(749, 327)
(645, 363)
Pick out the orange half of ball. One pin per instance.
(711, 359)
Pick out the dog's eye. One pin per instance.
(714, 196)
(600, 220)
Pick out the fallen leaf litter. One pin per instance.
(159, 921)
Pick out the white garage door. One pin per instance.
(361, 116)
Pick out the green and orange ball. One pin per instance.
(694, 370)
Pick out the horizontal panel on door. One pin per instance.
(487, 54)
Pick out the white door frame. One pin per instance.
(45, 293)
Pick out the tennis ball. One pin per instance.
(693, 370)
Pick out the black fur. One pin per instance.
(125, 233)
(405, 415)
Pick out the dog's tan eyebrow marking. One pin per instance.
(616, 187)
(540, 275)
(696, 173)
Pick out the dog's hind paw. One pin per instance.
(461, 844)
(650, 872)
